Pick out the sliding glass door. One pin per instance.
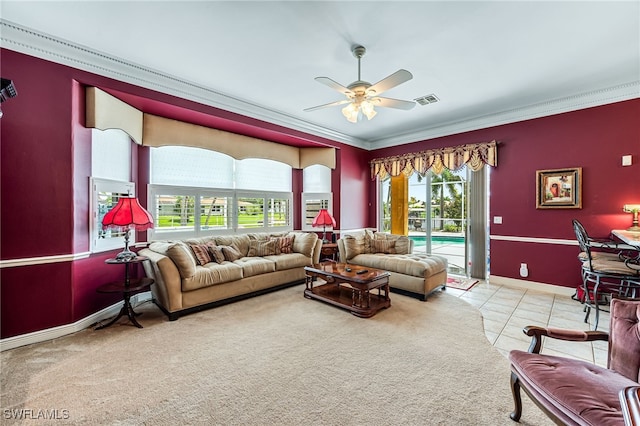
(438, 215)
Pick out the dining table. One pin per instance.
(631, 238)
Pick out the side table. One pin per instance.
(329, 251)
(128, 287)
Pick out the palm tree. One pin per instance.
(447, 208)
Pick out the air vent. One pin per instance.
(428, 99)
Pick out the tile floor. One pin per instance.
(506, 310)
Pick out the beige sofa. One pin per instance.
(416, 275)
(196, 274)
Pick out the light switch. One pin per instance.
(497, 220)
(626, 160)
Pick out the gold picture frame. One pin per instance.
(559, 188)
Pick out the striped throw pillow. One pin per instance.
(231, 253)
(216, 254)
(202, 253)
(384, 246)
(285, 244)
(263, 248)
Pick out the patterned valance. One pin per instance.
(474, 156)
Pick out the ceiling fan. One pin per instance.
(362, 96)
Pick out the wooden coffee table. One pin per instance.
(349, 289)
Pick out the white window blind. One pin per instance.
(110, 155)
(192, 167)
(264, 175)
(316, 178)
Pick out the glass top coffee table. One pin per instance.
(363, 291)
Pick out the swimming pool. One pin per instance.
(421, 241)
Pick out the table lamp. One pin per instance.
(127, 214)
(633, 208)
(323, 219)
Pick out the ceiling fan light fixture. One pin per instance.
(351, 112)
(362, 96)
(368, 110)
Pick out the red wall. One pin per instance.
(594, 139)
(45, 167)
(44, 191)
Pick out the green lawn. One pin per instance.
(243, 220)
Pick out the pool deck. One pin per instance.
(453, 252)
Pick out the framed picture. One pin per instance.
(559, 189)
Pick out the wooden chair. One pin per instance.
(630, 401)
(574, 392)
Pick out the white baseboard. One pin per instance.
(63, 330)
(532, 285)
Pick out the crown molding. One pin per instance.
(590, 99)
(30, 42)
(34, 43)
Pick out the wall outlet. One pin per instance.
(524, 270)
(626, 160)
(497, 220)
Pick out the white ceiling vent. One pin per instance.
(427, 99)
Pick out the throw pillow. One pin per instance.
(354, 245)
(231, 253)
(384, 246)
(284, 243)
(402, 245)
(402, 241)
(183, 257)
(304, 242)
(263, 248)
(202, 253)
(216, 254)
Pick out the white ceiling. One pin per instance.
(488, 62)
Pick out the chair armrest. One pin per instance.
(633, 264)
(536, 334)
(630, 402)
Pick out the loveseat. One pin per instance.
(412, 274)
(194, 274)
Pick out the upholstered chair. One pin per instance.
(575, 392)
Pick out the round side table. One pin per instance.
(128, 287)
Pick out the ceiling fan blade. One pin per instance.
(334, 85)
(393, 103)
(391, 81)
(345, 101)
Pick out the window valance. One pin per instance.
(474, 156)
(105, 111)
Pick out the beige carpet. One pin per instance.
(278, 359)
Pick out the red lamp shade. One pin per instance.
(323, 218)
(128, 213)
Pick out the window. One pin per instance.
(197, 192)
(316, 194)
(104, 195)
(110, 180)
(219, 211)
